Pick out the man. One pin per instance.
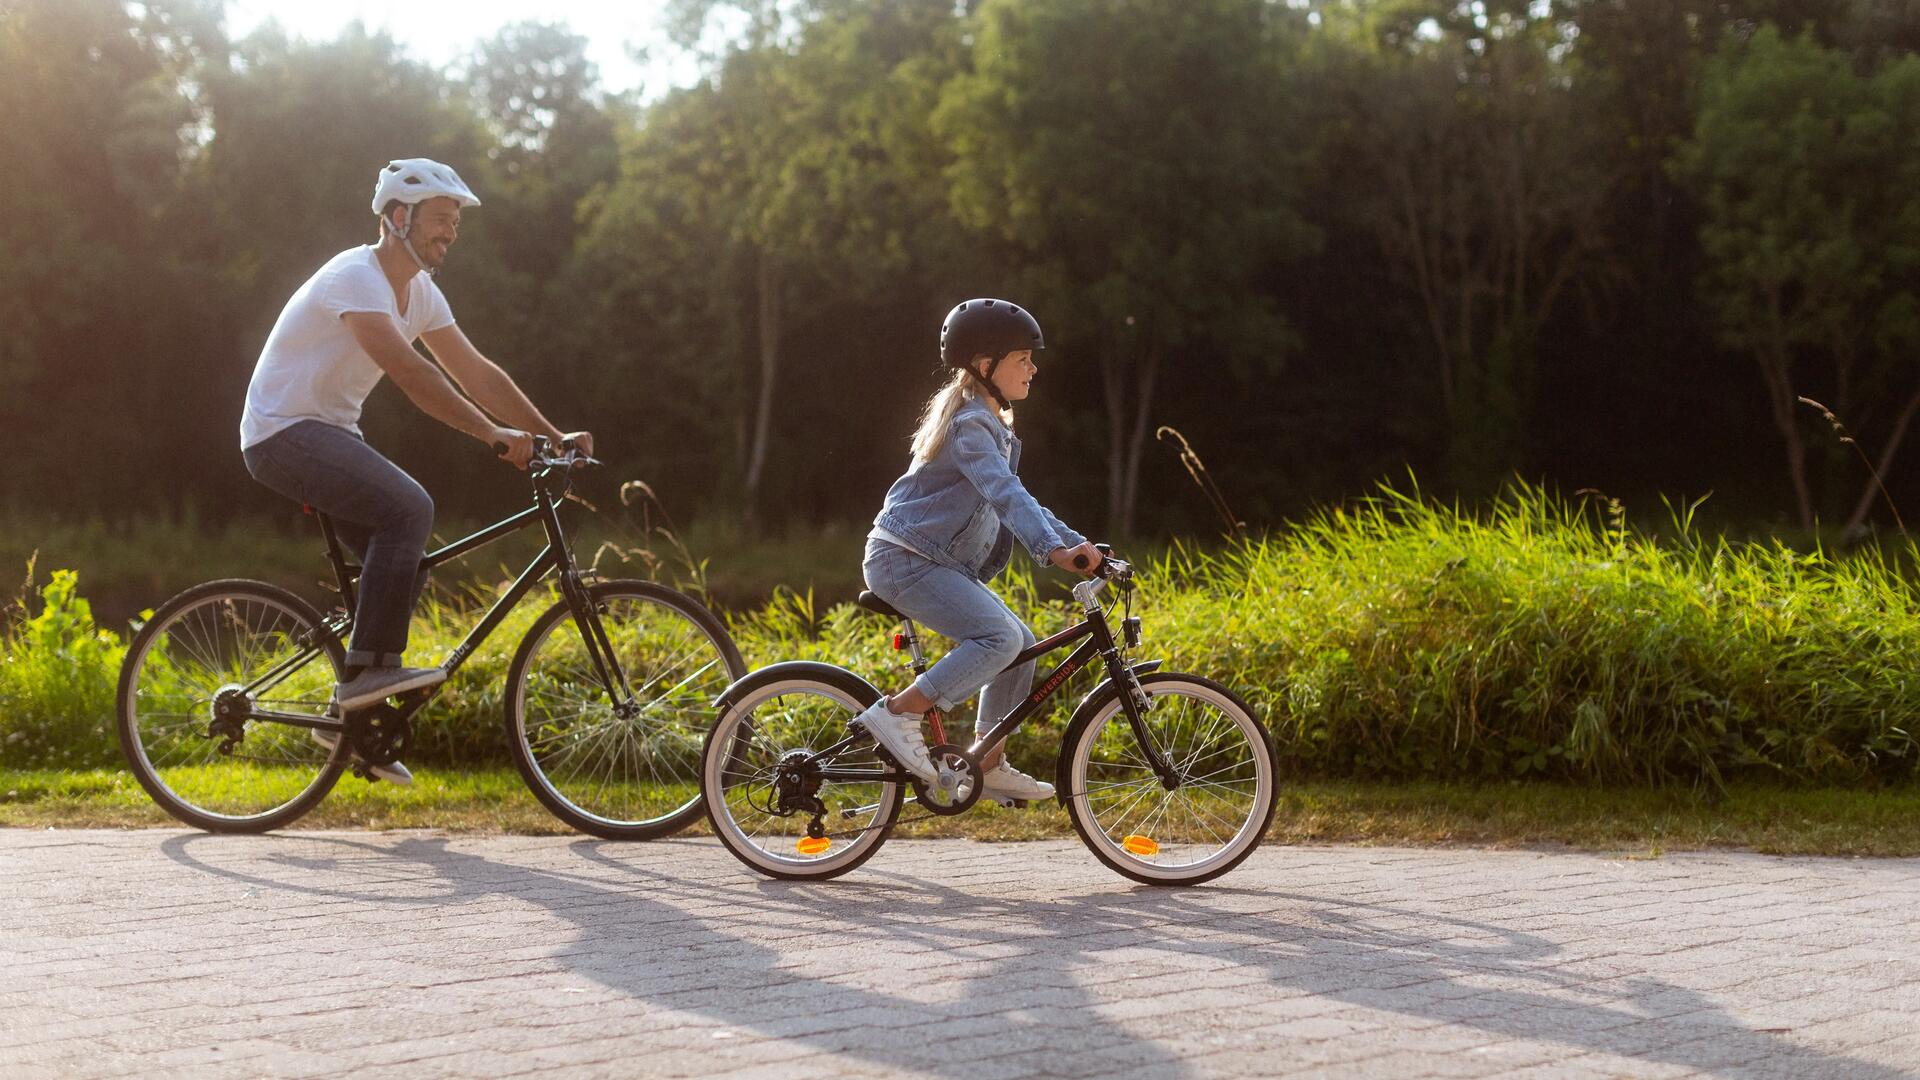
(352, 323)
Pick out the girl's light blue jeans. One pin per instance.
(988, 635)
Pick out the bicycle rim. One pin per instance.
(625, 773)
(1200, 828)
(781, 722)
(234, 644)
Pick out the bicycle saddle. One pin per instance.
(875, 604)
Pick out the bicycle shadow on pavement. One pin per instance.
(935, 976)
(1307, 945)
(669, 941)
(1421, 964)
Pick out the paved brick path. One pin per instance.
(426, 955)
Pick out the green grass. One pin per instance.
(1630, 821)
(1395, 638)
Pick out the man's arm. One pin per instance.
(491, 388)
(426, 387)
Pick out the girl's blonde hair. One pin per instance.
(937, 418)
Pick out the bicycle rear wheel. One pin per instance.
(777, 806)
(619, 769)
(1200, 827)
(193, 678)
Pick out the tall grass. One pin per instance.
(1402, 637)
(1396, 637)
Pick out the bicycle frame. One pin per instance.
(1099, 643)
(549, 485)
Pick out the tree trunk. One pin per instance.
(1773, 369)
(769, 288)
(1874, 482)
(1114, 385)
(1137, 442)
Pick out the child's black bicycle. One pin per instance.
(606, 701)
(1169, 779)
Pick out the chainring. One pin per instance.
(960, 778)
(379, 734)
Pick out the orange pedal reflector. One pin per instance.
(1141, 845)
(813, 845)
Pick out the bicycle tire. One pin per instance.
(165, 783)
(685, 718)
(1102, 723)
(738, 743)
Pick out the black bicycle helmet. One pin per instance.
(987, 327)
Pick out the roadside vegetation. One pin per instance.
(1539, 671)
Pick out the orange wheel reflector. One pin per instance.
(814, 845)
(1141, 845)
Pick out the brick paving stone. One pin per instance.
(418, 954)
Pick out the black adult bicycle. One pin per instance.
(606, 701)
(1169, 779)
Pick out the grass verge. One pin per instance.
(1633, 821)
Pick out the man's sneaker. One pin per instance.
(1006, 782)
(376, 684)
(394, 773)
(901, 736)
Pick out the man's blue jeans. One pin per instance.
(380, 512)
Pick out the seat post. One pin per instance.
(339, 561)
(909, 639)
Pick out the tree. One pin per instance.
(1808, 174)
(1134, 161)
(1488, 173)
(762, 214)
(97, 132)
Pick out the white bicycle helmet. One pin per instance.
(412, 181)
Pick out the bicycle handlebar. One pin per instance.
(568, 458)
(1109, 569)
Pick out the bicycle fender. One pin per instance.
(1083, 713)
(861, 690)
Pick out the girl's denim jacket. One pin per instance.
(964, 508)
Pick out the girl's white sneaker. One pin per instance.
(902, 738)
(1004, 781)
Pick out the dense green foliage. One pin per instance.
(1399, 637)
(1324, 238)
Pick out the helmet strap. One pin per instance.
(986, 380)
(404, 235)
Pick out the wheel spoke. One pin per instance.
(192, 652)
(597, 764)
(1209, 820)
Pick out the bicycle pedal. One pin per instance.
(1010, 804)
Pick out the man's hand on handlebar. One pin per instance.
(514, 445)
(578, 440)
(1083, 560)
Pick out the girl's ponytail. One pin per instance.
(937, 418)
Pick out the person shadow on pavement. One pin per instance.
(967, 977)
(661, 940)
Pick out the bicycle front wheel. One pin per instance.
(619, 761)
(199, 690)
(1203, 824)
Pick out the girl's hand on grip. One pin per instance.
(1082, 560)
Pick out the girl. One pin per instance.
(950, 524)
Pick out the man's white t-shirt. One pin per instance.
(312, 367)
